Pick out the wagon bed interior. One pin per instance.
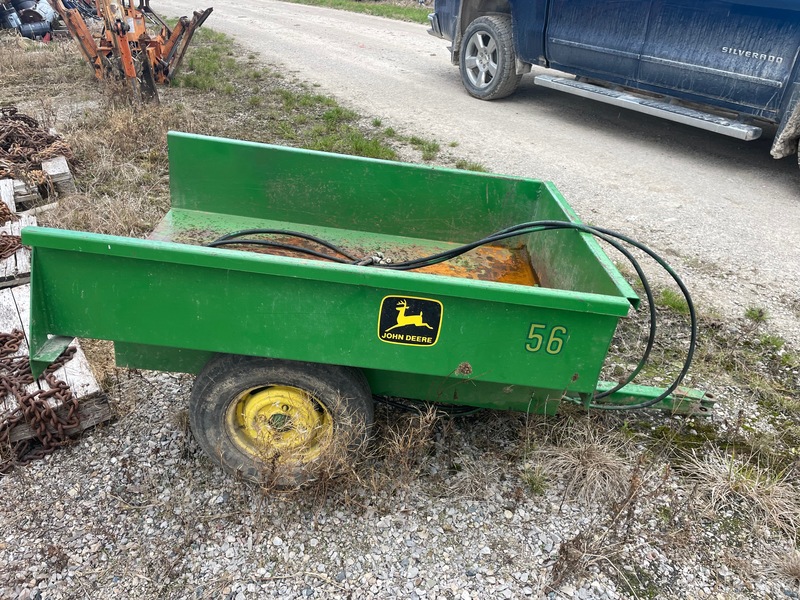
(496, 263)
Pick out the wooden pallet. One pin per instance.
(7, 194)
(93, 407)
(19, 196)
(16, 269)
(25, 196)
(92, 402)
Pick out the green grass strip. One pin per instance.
(392, 11)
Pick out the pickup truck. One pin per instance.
(728, 66)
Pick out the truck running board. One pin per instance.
(649, 106)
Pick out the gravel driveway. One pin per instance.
(136, 510)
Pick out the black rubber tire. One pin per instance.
(343, 391)
(475, 70)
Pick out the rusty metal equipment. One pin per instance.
(31, 18)
(291, 339)
(125, 49)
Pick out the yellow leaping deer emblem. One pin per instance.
(403, 319)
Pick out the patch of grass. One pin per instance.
(413, 12)
(352, 142)
(774, 342)
(310, 100)
(210, 65)
(535, 480)
(673, 301)
(428, 148)
(594, 463)
(389, 132)
(338, 115)
(453, 144)
(756, 314)
(790, 360)
(376, 122)
(747, 488)
(470, 166)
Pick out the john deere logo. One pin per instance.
(409, 321)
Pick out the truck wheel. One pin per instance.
(280, 423)
(487, 59)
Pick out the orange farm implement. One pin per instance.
(125, 49)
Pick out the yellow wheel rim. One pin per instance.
(280, 424)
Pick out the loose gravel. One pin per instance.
(135, 510)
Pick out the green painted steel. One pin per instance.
(260, 181)
(684, 401)
(170, 305)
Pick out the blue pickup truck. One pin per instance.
(728, 66)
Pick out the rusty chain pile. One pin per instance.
(6, 215)
(24, 144)
(32, 407)
(9, 244)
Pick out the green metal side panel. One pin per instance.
(302, 186)
(563, 264)
(201, 299)
(160, 358)
(468, 391)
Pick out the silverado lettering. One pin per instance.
(748, 53)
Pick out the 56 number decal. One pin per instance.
(541, 337)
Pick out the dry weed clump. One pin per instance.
(788, 565)
(332, 459)
(473, 476)
(24, 58)
(595, 463)
(743, 485)
(403, 446)
(122, 171)
(342, 460)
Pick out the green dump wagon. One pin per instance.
(289, 347)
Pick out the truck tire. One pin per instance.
(487, 60)
(280, 423)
